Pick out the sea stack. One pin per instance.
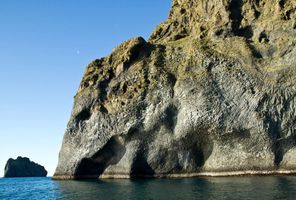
(212, 92)
(23, 167)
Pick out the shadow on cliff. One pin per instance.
(280, 132)
(110, 154)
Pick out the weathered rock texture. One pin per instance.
(211, 93)
(23, 167)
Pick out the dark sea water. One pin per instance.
(195, 188)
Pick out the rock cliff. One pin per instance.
(211, 93)
(23, 167)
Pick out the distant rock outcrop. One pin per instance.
(23, 167)
(212, 92)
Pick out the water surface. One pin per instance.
(195, 188)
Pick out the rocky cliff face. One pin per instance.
(211, 93)
(23, 167)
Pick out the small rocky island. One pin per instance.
(23, 167)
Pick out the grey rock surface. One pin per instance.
(23, 167)
(211, 93)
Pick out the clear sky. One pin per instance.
(44, 49)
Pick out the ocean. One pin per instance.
(273, 187)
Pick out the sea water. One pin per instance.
(237, 188)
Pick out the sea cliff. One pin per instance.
(212, 92)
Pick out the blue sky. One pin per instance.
(44, 48)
